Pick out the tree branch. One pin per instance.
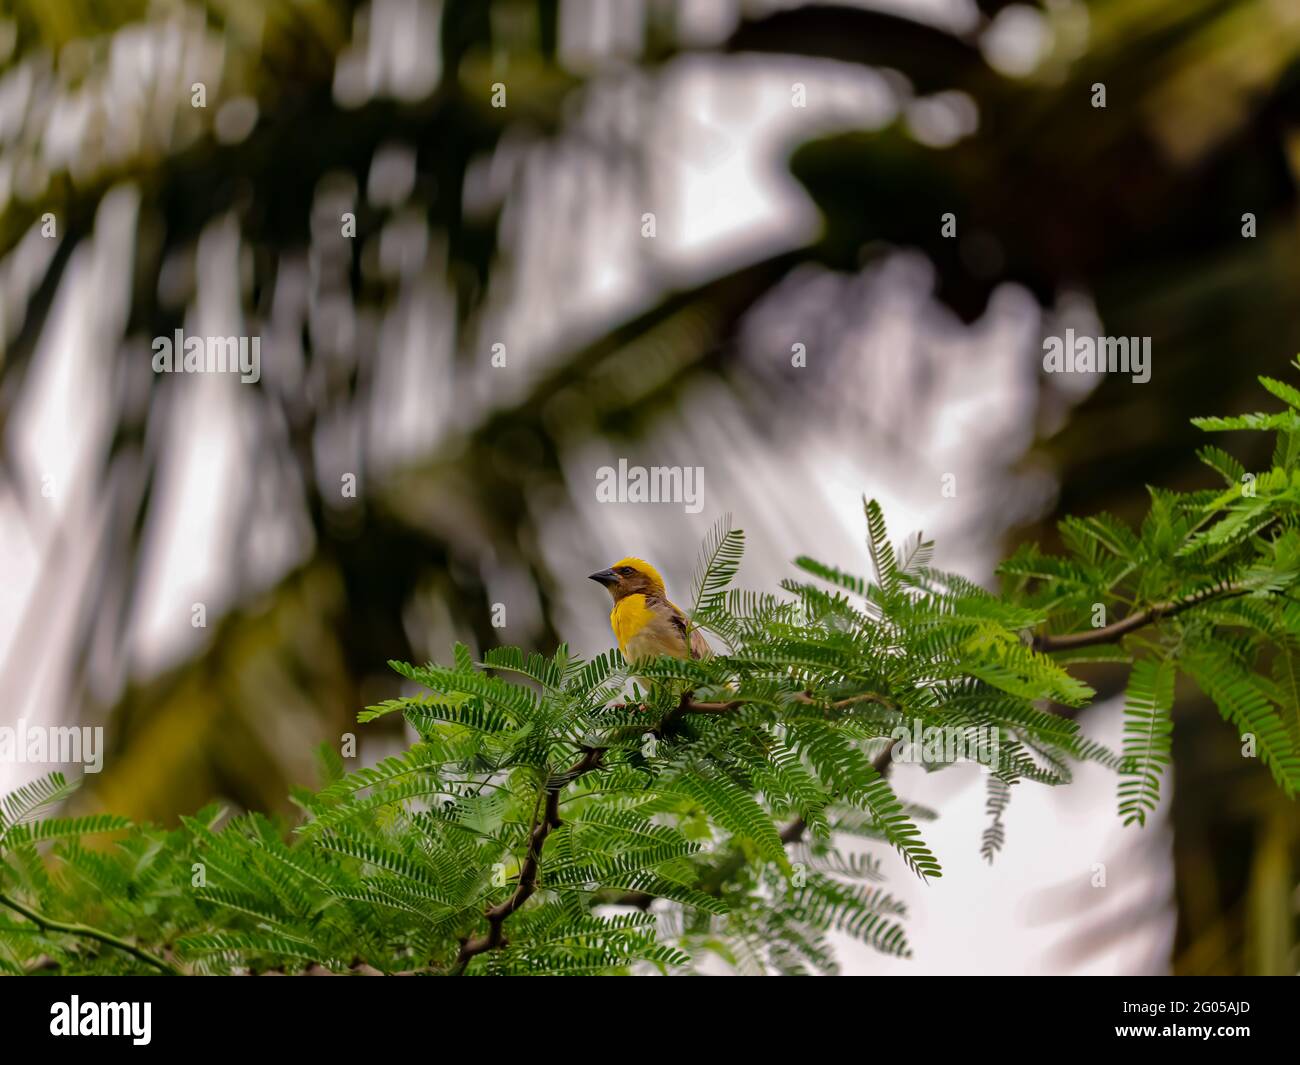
(794, 831)
(48, 924)
(527, 885)
(689, 706)
(791, 833)
(1117, 630)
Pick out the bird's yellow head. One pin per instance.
(630, 576)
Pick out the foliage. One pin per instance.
(541, 825)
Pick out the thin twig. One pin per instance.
(1117, 630)
(791, 833)
(527, 885)
(48, 924)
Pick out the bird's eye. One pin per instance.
(626, 571)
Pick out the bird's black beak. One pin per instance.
(606, 577)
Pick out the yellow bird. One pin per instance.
(645, 623)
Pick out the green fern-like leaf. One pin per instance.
(716, 568)
(1148, 737)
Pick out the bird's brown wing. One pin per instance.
(699, 645)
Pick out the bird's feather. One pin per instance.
(646, 626)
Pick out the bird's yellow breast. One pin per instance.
(630, 615)
(644, 632)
